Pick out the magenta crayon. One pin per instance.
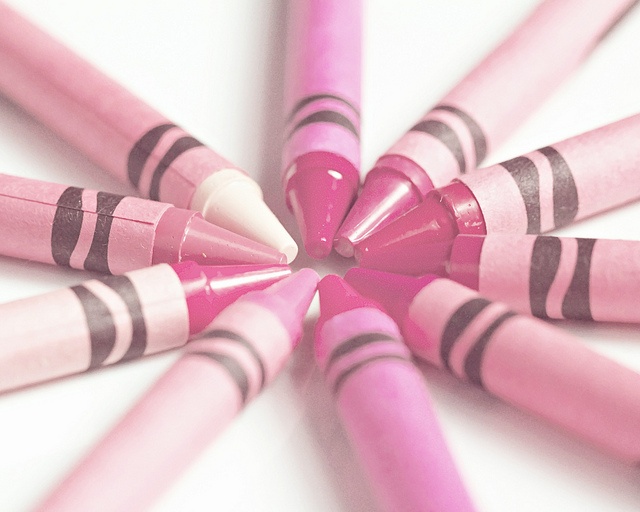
(109, 233)
(321, 154)
(118, 318)
(384, 404)
(243, 350)
(552, 277)
(126, 137)
(525, 361)
(537, 192)
(481, 111)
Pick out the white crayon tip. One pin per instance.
(233, 201)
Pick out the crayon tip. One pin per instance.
(394, 292)
(319, 198)
(337, 296)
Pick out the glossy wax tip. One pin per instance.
(239, 279)
(393, 291)
(337, 296)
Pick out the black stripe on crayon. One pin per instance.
(141, 150)
(354, 343)
(125, 288)
(325, 116)
(233, 367)
(102, 329)
(180, 146)
(340, 380)
(473, 361)
(479, 140)
(98, 257)
(545, 261)
(316, 97)
(565, 192)
(67, 225)
(445, 134)
(458, 322)
(229, 335)
(527, 178)
(576, 304)
(616, 22)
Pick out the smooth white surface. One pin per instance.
(215, 67)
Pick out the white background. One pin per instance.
(215, 67)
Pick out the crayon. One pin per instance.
(92, 230)
(243, 350)
(127, 137)
(321, 154)
(480, 111)
(552, 277)
(525, 361)
(530, 194)
(118, 318)
(384, 404)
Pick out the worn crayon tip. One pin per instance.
(337, 296)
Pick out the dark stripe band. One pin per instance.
(354, 343)
(233, 368)
(576, 304)
(457, 323)
(479, 140)
(340, 380)
(445, 134)
(325, 116)
(565, 192)
(525, 174)
(545, 262)
(317, 97)
(98, 256)
(142, 149)
(67, 225)
(180, 146)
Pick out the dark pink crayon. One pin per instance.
(321, 155)
(384, 404)
(542, 190)
(117, 318)
(523, 360)
(481, 111)
(109, 233)
(242, 351)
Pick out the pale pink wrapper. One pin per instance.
(528, 363)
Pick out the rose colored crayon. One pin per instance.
(244, 349)
(481, 111)
(384, 404)
(109, 233)
(542, 190)
(520, 359)
(552, 277)
(321, 154)
(117, 318)
(127, 137)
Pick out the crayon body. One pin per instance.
(321, 154)
(537, 192)
(520, 359)
(109, 233)
(242, 351)
(480, 111)
(552, 277)
(384, 404)
(126, 137)
(117, 318)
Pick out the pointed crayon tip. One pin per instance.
(394, 292)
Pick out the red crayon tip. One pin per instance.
(319, 193)
(394, 292)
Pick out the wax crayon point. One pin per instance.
(319, 198)
(336, 296)
(394, 292)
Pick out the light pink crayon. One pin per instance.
(537, 192)
(244, 349)
(384, 404)
(109, 233)
(520, 359)
(552, 277)
(117, 318)
(321, 154)
(126, 137)
(481, 111)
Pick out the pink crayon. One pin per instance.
(552, 277)
(542, 190)
(520, 359)
(117, 318)
(321, 155)
(384, 404)
(126, 137)
(481, 111)
(244, 349)
(109, 233)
